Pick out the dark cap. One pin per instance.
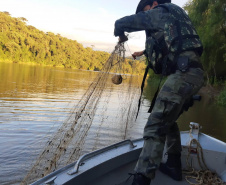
(163, 1)
(144, 3)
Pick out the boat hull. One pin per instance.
(112, 164)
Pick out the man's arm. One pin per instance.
(137, 54)
(149, 20)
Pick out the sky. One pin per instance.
(89, 22)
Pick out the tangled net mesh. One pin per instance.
(66, 145)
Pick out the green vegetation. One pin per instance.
(20, 42)
(221, 99)
(209, 19)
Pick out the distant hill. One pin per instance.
(20, 42)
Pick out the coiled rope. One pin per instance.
(203, 176)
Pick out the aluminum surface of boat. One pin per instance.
(111, 165)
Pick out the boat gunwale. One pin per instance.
(73, 167)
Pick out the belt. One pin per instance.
(192, 64)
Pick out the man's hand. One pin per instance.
(137, 54)
(122, 38)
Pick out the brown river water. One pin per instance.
(36, 100)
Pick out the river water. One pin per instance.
(36, 100)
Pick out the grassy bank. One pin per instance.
(219, 92)
(221, 98)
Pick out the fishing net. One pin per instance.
(67, 144)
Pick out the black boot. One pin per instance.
(140, 179)
(172, 167)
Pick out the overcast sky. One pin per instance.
(87, 21)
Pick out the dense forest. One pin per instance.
(20, 42)
(209, 18)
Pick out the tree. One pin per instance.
(23, 19)
(7, 13)
(208, 17)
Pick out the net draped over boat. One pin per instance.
(66, 145)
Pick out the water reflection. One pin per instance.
(34, 102)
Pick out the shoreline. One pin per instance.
(61, 66)
(211, 91)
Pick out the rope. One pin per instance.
(203, 176)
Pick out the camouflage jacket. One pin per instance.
(166, 21)
(153, 20)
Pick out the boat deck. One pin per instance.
(164, 179)
(120, 176)
(161, 179)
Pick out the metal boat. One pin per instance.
(111, 165)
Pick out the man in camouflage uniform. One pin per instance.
(173, 49)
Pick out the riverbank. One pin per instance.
(32, 63)
(128, 67)
(216, 93)
(211, 91)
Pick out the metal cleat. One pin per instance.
(194, 134)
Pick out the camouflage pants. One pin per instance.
(161, 126)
